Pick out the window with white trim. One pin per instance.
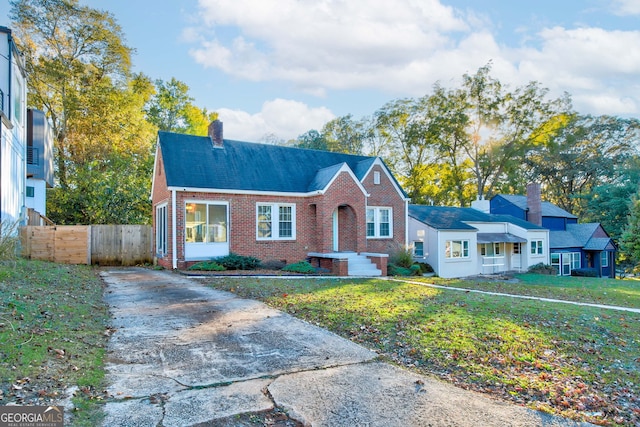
(376, 177)
(379, 222)
(418, 249)
(604, 259)
(575, 260)
(536, 247)
(206, 222)
(275, 221)
(162, 230)
(456, 249)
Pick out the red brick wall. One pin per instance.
(314, 219)
(385, 195)
(161, 194)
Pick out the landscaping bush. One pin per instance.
(8, 240)
(238, 262)
(302, 267)
(424, 267)
(402, 258)
(273, 264)
(584, 272)
(543, 269)
(207, 266)
(397, 270)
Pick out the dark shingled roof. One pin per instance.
(452, 218)
(580, 236)
(193, 162)
(548, 209)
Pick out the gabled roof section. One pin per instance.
(588, 236)
(193, 162)
(548, 209)
(452, 218)
(325, 177)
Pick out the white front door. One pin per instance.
(335, 231)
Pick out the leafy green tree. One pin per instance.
(70, 52)
(580, 155)
(171, 109)
(630, 243)
(312, 139)
(344, 135)
(79, 74)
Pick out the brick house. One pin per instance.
(213, 196)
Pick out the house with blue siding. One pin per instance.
(572, 245)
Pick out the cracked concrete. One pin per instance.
(184, 355)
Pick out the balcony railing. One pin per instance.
(33, 156)
(1, 100)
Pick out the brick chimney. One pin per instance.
(534, 204)
(215, 133)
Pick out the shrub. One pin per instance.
(425, 268)
(8, 241)
(585, 272)
(238, 262)
(300, 267)
(397, 270)
(274, 264)
(207, 266)
(402, 258)
(543, 269)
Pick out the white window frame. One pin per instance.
(576, 260)
(420, 252)
(604, 259)
(162, 229)
(537, 247)
(275, 221)
(377, 223)
(376, 177)
(207, 230)
(464, 249)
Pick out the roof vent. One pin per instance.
(215, 133)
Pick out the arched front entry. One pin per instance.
(344, 229)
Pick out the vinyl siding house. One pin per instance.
(573, 245)
(461, 242)
(39, 161)
(213, 196)
(13, 130)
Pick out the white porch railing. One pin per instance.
(493, 264)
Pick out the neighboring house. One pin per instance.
(460, 242)
(13, 130)
(212, 196)
(572, 245)
(39, 161)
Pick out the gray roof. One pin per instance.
(452, 218)
(580, 236)
(548, 209)
(193, 162)
(499, 238)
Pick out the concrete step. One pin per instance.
(360, 265)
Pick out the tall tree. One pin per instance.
(70, 51)
(344, 135)
(79, 74)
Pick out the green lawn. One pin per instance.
(575, 361)
(624, 293)
(52, 335)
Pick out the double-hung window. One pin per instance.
(456, 249)
(536, 247)
(162, 230)
(275, 221)
(379, 222)
(418, 249)
(604, 259)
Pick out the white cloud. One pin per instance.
(626, 7)
(285, 119)
(404, 47)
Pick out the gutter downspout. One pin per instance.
(174, 238)
(406, 223)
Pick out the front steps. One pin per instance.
(360, 265)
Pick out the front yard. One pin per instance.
(578, 362)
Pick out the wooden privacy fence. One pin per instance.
(88, 244)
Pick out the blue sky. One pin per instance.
(282, 67)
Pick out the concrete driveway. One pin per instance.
(184, 355)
